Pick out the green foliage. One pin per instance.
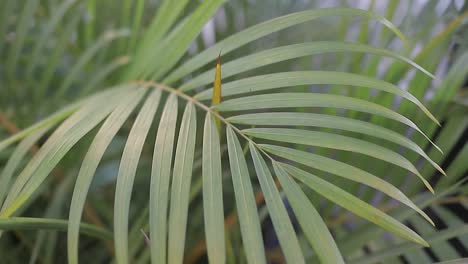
(105, 133)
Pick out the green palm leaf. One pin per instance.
(127, 171)
(213, 192)
(90, 163)
(165, 65)
(180, 190)
(160, 178)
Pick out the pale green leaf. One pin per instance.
(90, 163)
(329, 121)
(58, 144)
(284, 53)
(245, 201)
(346, 171)
(174, 46)
(57, 117)
(16, 158)
(317, 233)
(355, 205)
(127, 171)
(213, 192)
(278, 214)
(160, 179)
(334, 141)
(255, 32)
(287, 100)
(287, 79)
(180, 190)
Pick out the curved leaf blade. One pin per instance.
(286, 79)
(279, 215)
(334, 141)
(57, 117)
(55, 148)
(288, 52)
(268, 27)
(329, 121)
(344, 170)
(127, 170)
(89, 165)
(355, 205)
(287, 100)
(317, 233)
(16, 158)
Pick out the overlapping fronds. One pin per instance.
(273, 134)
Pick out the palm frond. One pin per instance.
(318, 136)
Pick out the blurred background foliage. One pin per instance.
(52, 53)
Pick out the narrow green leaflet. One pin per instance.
(160, 179)
(175, 45)
(284, 53)
(57, 117)
(138, 11)
(286, 79)
(51, 120)
(127, 170)
(355, 205)
(103, 73)
(367, 233)
(31, 223)
(279, 215)
(165, 17)
(213, 192)
(344, 170)
(317, 233)
(49, 28)
(180, 190)
(329, 121)
(334, 141)
(255, 32)
(58, 144)
(16, 158)
(286, 100)
(72, 75)
(408, 247)
(245, 201)
(90, 163)
(21, 31)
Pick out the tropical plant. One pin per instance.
(107, 93)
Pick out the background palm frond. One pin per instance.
(106, 133)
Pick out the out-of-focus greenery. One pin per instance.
(325, 148)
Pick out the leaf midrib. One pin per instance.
(204, 107)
